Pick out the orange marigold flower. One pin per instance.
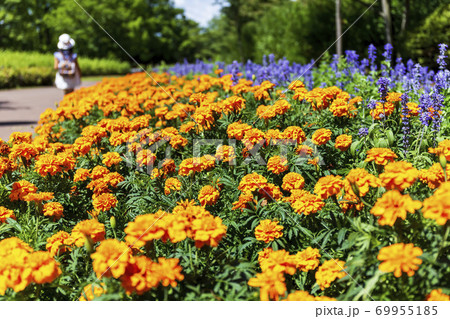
(171, 184)
(242, 203)
(38, 197)
(208, 195)
(434, 176)
(44, 269)
(59, 243)
(20, 189)
(293, 181)
(437, 295)
(145, 158)
(111, 258)
(90, 228)
(5, 214)
(104, 202)
(381, 156)
(398, 175)
(225, 153)
(266, 112)
(140, 275)
(300, 295)
(208, 230)
(442, 148)
(307, 259)
(49, 164)
(169, 271)
(268, 230)
(400, 258)
(271, 284)
(437, 207)
(343, 142)
(253, 137)
(168, 166)
(99, 172)
(279, 260)
(20, 138)
(303, 202)
(321, 136)
(362, 179)
(237, 130)
(295, 133)
(382, 110)
(54, 210)
(251, 182)
(111, 158)
(329, 271)
(277, 164)
(91, 291)
(393, 205)
(24, 150)
(145, 228)
(328, 186)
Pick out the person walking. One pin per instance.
(68, 74)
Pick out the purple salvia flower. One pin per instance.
(405, 121)
(363, 131)
(441, 59)
(383, 84)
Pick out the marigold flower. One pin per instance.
(90, 228)
(295, 133)
(328, 186)
(398, 175)
(321, 136)
(362, 179)
(400, 258)
(208, 195)
(329, 271)
(104, 202)
(279, 260)
(91, 291)
(24, 150)
(169, 271)
(168, 166)
(303, 202)
(44, 269)
(443, 149)
(251, 182)
(110, 259)
(140, 275)
(293, 181)
(268, 230)
(437, 206)
(277, 164)
(171, 184)
(300, 295)
(38, 197)
(5, 214)
(54, 210)
(208, 230)
(20, 189)
(382, 110)
(99, 172)
(307, 259)
(242, 203)
(145, 228)
(145, 158)
(111, 158)
(59, 243)
(393, 205)
(237, 130)
(225, 153)
(253, 137)
(437, 295)
(20, 138)
(343, 142)
(381, 156)
(271, 284)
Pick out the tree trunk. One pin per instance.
(338, 28)
(385, 5)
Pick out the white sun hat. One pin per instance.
(65, 42)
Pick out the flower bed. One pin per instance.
(215, 187)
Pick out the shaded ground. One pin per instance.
(20, 108)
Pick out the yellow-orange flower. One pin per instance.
(92, 291)
(277, 164)
(293, 181)
(268, 230)
(110, 259)
(329, 271)
(104, 202)
(400, 258)
(303, 202)
(53, 209)
(398, 175)
(5, 214)
(251, 182)
(321, 136)
(171, 184)
(21, 189)
(225, 153)
(44, 269)
(381, 156)
(393, 205)
(111, 158)
(437, 207)
(437, 295)
(90, 228)
(328, 186)
(343, 142)
(271, 284)
(59, 243)
(208, 195)
(362, 180)
(81, 175)
(307, 259)
(208, 230)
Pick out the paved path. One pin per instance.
(20, 108)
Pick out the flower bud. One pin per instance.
(443, 161)
(88, 244)
(113, 223)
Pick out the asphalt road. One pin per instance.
(20, 108)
